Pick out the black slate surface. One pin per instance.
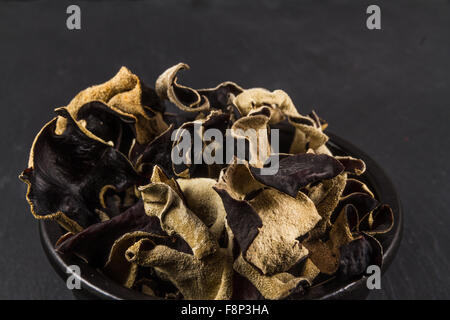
(387, 91)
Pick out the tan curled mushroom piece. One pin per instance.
(162, 201)
(275, 247)
(325, 255)
(273, 287)
(206, 278)
(122, 94)
(277, 100)
(201, 198)
(185, 98)
(117, 266)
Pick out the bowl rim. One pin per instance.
(95, 284)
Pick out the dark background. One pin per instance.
(386, 90)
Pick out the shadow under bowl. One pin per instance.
(95, 285)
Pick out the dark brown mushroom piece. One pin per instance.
(297, 171)
(68, 171)
(94, 243)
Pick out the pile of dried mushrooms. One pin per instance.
(102, 169)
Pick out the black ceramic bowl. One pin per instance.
(95, 285)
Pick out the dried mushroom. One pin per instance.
(274, 218)
(125, 96)
(216, 225)
(67, 172)
(299, 170)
